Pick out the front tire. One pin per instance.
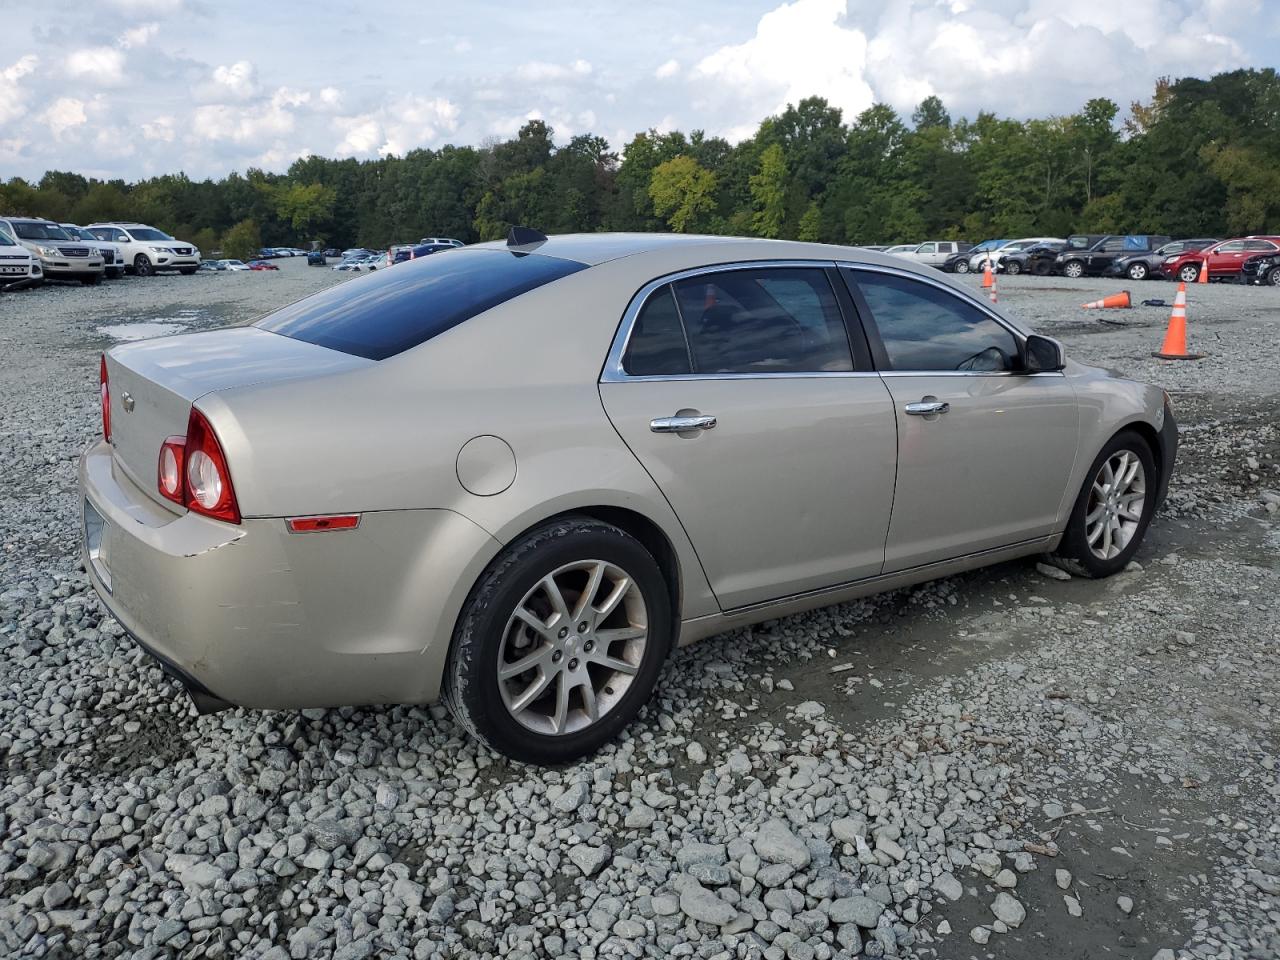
(1138, 271)
(560, 643)
(1073, 269)
(1189, 273)
(142, 266)
(1272, 277)
(1113, 509)
(1012, 267)
(962, 266)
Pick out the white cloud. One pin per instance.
(138, 36)
(159, 128)
(103, 65)
(538, 71)
(400, 126)
(799, 49)
(331, 98)
(66, 113)
(668, 69)
(239, 80)
(12, 95)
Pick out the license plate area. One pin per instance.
(95, 528)
(8, 270)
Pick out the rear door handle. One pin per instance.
(681, 424)
(927, 408)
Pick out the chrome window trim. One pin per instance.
(614, 373)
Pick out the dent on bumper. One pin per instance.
(265, 618)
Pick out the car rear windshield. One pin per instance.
(387, 312)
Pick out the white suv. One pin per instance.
(147, 250)
(61, 256)
(112, 258)
(18, 268)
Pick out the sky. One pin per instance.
(133, 88)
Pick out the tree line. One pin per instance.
(1199, 158)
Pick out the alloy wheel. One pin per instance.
(572, 647)
(1137, 271)
(1116, 502)
(962, 266)
(1074, 270)
(1012, 267)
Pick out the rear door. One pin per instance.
(773, 440)
(1226, 257)
(984, 452)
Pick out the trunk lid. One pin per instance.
(155, 382)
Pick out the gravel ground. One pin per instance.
(1002, 764)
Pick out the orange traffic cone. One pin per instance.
(1204, 273)
(1120, 299)
(988, 275)
(991, 273)
(1175, 338)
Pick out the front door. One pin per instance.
(739, 394)
(984, 452)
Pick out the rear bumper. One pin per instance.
(256, 616)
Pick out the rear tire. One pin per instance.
(142, 265)
(1111, 513)
(496, 630)
(1041, 268)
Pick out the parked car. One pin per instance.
(898, 249)
(332, 252)
(997, 253)
(1144, 266)
(316, 258)
(934, 253)
(1090, 254)
(355, 252)
(236, 266)
(1038, 259)
(19, 267)
(146, 250)
(401, 254)
(1225, 258)
(440, 242)
(209, 266)
(112, 256)
(258, 265)
(1261, 268)
(959, 262)
(535, 555)
(61, 256)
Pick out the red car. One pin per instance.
(1225, 258)
(262, 265)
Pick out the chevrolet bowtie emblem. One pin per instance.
(128, 401)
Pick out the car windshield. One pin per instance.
(390, 311)
(34, 230)
(6, 240)
(149, 233)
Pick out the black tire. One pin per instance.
(1073, 269)
(962, 266)
(471, 688)
(1189, 272)
(1041, 268)
(1073, 553)
(1272, 277)
(1012, 267)
(1138, 271)
(142, 266)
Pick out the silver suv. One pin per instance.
(62, 257)
(147, 250)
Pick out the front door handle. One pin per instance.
(927, 408)
(680, 424)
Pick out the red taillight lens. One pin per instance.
(170, 469)
(105, 390)
(207, 481)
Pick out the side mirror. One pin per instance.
(1043, 355)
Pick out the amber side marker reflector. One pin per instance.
(346, 521)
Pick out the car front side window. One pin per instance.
(926, 328)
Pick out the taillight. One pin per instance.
(170, 469)
(105, 391)
(193, 471)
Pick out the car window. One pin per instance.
(1115, 245)
(6, 239)
(657, 347)
(1231, 246)
(1259, 245)
(927, 248)
(774, 320)
(924, 327)
(393, 310)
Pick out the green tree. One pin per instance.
(683, 192)
(304, 206)
(769, 193)
(242, 241)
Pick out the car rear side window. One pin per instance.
(925, 328)
(657, 347)
(771, 320)
(392, 310)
